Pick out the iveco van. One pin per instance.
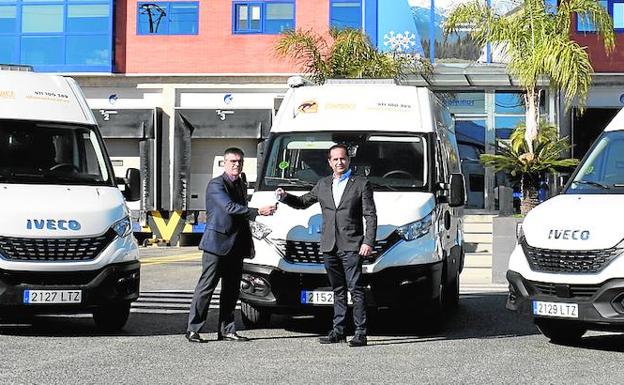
(399, 137)
(66, 243)
(567, 270)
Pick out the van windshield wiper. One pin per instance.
(382, 186)
(591, 183)
(291, 182)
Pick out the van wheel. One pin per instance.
(451, 292)
(253, 317)
(111, 317)
(560, 331)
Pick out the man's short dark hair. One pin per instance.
(335, 146)
(235, 151)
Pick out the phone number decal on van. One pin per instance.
(50, 96)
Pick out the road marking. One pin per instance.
(171, 259)
(171, 302)
(179, 301)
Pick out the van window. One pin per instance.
(389, 161)
(50, 154)
(602, 172)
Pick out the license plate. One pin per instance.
(52, 296)
(319, 297)
(555, 309)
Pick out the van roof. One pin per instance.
(355, 107)
(617, 123)
(42, 97)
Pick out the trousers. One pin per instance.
(228, 269)
(344, 270)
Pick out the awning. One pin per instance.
(224, 123)
(127, 123)
(468, 75)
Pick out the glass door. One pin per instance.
(470, 134)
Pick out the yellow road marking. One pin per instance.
(171, 259)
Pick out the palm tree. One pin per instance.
(514, 158)
(536, 40)
(346, 53)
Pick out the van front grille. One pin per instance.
(309, 251)
(54, 249)
(570, 291)
(568, 261)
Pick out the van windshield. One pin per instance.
(602, 171)
(51, 153)
(391, 162)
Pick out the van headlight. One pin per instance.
(519, 232)
(259, 230)
(123, 227)
(417, 229)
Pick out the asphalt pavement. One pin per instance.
(480, 343)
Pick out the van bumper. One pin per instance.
(113, 284)
(600, 306)
(396, 287)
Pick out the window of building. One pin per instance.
(168, 18)
(584, 24)
(509, 112)
(345, 14)
(57, 35)
(618, 16)
(269, 17)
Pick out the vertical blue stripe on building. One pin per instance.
(432, 32)
(371, 10)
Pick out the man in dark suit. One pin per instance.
(345, 199)
(226, 241)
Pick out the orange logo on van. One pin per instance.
(309, 106)
(7, 94)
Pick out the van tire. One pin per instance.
(111, 317)
(253, 317)
(451, 292)
(560, 331)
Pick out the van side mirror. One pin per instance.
(457, 193)
(132, 184)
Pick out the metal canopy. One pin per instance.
(127, 123)
(467, 75)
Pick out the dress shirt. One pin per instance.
(339, 185)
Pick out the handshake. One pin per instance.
(271, 209)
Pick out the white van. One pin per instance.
(66, 243)
(567, 270)
(399, 137)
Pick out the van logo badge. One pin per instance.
(53, 224)
(308, 106)
(568, 234)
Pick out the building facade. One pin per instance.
(172, 83)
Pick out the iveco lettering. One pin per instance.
(66, 243)
(567, 270)
(51, 224)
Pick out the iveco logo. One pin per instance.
(582, 235)
(52, 224)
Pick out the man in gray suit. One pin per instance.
(345, 199)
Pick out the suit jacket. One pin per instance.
(342, 226)
(227, 218)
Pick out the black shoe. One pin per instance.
(231, 337)
(193, 337)
(358, 340)
(333, 338)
